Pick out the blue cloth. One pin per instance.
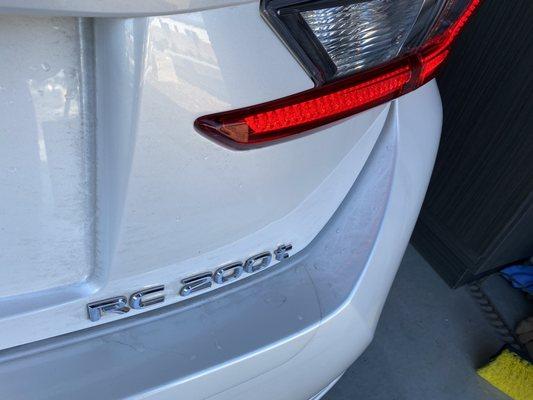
(520, 276)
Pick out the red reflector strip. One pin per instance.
(431, 63)
(278, 119)
(329, 105)
(437, 50)
(458, 26)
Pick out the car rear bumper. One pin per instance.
(286, 333)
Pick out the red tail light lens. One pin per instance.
(448, 26)
(264, 123)
(294, 114)
(329, 105)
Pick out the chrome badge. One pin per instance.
(193, 284)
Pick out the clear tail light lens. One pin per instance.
(362, 34)
(360, 53)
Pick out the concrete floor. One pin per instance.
(428, 343)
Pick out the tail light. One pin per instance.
(360, 53)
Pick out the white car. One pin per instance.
(208, 199)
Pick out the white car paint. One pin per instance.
(107, 188)
(109, 8)
(327, 349)
(151, 201)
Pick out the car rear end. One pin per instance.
(208, 200)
